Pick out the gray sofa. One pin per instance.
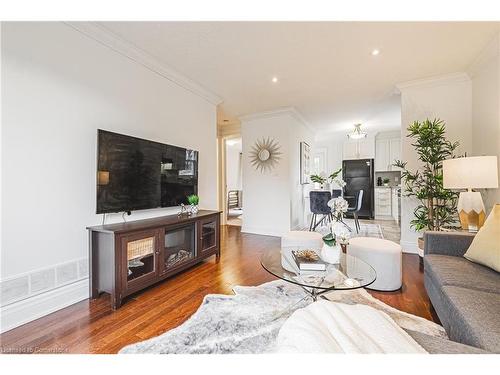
(465, 295)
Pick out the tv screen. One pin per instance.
(137, 174)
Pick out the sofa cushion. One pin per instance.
(485, 247)
(458, 271)
(473, 317)
(439, 345)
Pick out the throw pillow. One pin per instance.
(485, 247)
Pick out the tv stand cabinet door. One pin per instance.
(208, 236)
(139, 260)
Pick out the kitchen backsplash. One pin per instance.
(394, 177)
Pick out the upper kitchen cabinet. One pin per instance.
(394, 152)
(359, 149)
(387, 151)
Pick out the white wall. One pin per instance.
(485, 74)
(300, 133)
(58, 87)
(333, 145)
(273, 200)
(448, 98)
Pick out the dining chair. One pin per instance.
(355, 209)
(319, 206)
(336, 193)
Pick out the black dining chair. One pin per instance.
(319, 206)
(336, 193)
(355, 209)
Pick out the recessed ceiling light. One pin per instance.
(275, 79)
(375, 52)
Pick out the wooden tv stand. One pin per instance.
(127, 257)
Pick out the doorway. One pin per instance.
(234, 184)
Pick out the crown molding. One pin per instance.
(127, 49)
(491, 51)
(291, 111)
(434, 81)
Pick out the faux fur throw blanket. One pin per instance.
(331, 327)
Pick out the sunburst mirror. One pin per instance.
(265, 154)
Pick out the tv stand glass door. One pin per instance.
(140, 258)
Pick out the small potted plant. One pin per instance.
(193, 201)
(386, 181)
(319, 180)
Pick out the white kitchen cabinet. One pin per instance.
(360, 149)
(383, 204)
(387, 150)
(350, 150)
(381, 155)
(394, 152)
(366, 148)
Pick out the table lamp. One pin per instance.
(478, 172)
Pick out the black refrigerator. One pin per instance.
(358, 175)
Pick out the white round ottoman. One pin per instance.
(298, 240)
(384, 256)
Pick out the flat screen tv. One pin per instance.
(137, 174)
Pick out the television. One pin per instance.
(137, 174)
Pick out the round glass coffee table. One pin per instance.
(349, 273)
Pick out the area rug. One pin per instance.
(366, 230)
(249, 321)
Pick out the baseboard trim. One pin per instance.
(27, 310)
(409, 247)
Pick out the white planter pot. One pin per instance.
(331, 254)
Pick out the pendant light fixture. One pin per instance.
(357, 133)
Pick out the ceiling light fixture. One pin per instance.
(274, 80)
(375, 52)
(357, 133)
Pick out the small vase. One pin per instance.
(330, 254)
(194, 208)
(344, 248)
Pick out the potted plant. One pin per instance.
(436, 205)
(386, 181)
(338, 238)
(321, 179)
(193, 201)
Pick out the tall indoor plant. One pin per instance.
(437, 206)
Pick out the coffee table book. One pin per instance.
(311, 263)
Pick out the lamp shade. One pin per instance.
(479, 172)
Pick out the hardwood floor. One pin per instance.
(92, 327)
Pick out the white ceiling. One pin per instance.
(325, 69)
